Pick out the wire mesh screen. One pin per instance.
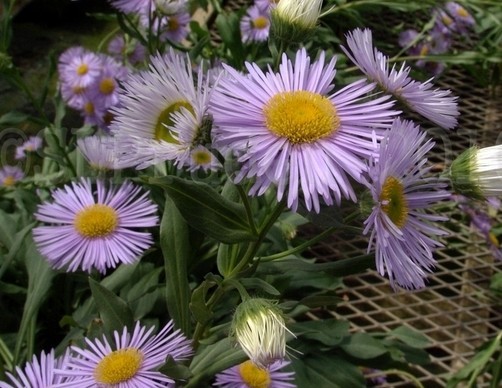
(454, 311)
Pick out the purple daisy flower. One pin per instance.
(248, 375)
(398, 226)
(9, 175)
(463, 19)
(40, 372)
(290, 130)
(94, 230)
(130, 362)
(162, 114)
(255, 24)
(100, 152)
(79, 67)
(439, 106)
(104, 91)
(176, 27)
(31, 145)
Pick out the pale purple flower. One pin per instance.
(291, 130)
(131, 361)
(463, 19)
(248, 374)
(255, 24)
(163, 113)
(104, 91)
(94, 229)
(100, 152)
(34, 143)
(439, 106)
(131, 50)
(39, 373)
(176, 26)
(9, 175)
(400, 228)
(266, 4)
(79, 67)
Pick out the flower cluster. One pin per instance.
(89, 83)
(449, 21)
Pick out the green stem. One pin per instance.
(61, 150)
(247, 206)
(300, 247)
(401, 373)
(255, 245)
(201, 327)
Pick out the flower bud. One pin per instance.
(259, 328)
(477, 172)
(294, 20)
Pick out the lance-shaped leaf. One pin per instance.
(113, 310)
(206, 210)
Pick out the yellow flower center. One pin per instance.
(89, 108)
(118, 366)
(9, 180)
(424, 50)
(201, 157)
(447, 20)
(165, 120)
(96, 221)
(173, 24)
(301, 116)
(253, 376)
(82, 69)
(107, 86)
(260, 22)
(462, 12)
(78, 89)
(395, 204)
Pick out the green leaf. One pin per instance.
(198, 306)
(228, 28)
(175, 244)
(206, 210)
(114, 311)
(256, 283)
(13, 118)
(213, 359)
(40, 277)
(410, 337)
(330, 332)
(175, 370)
(363, 346)
(326, 370)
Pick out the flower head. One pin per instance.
(9, 175)
(477, 172)
(79, 67)
(255, 24)
(130, 362)
(40, 372)
(398, 224)
(100, 152)
(259, 328)
(31, 145)
(163, 113)
(434, 104)
(291, 130)
(249, 375)
(94, 230)
(294, 20)
(122, 47)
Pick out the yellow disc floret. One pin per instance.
(394, 202)
(96, 221)
(82, 69)
(118, 366)
(201, 157)
(260, 22)
(9, 180)
(173, 24)
(165, 120)
(253, 376)
(301, 116)
(107, 85)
